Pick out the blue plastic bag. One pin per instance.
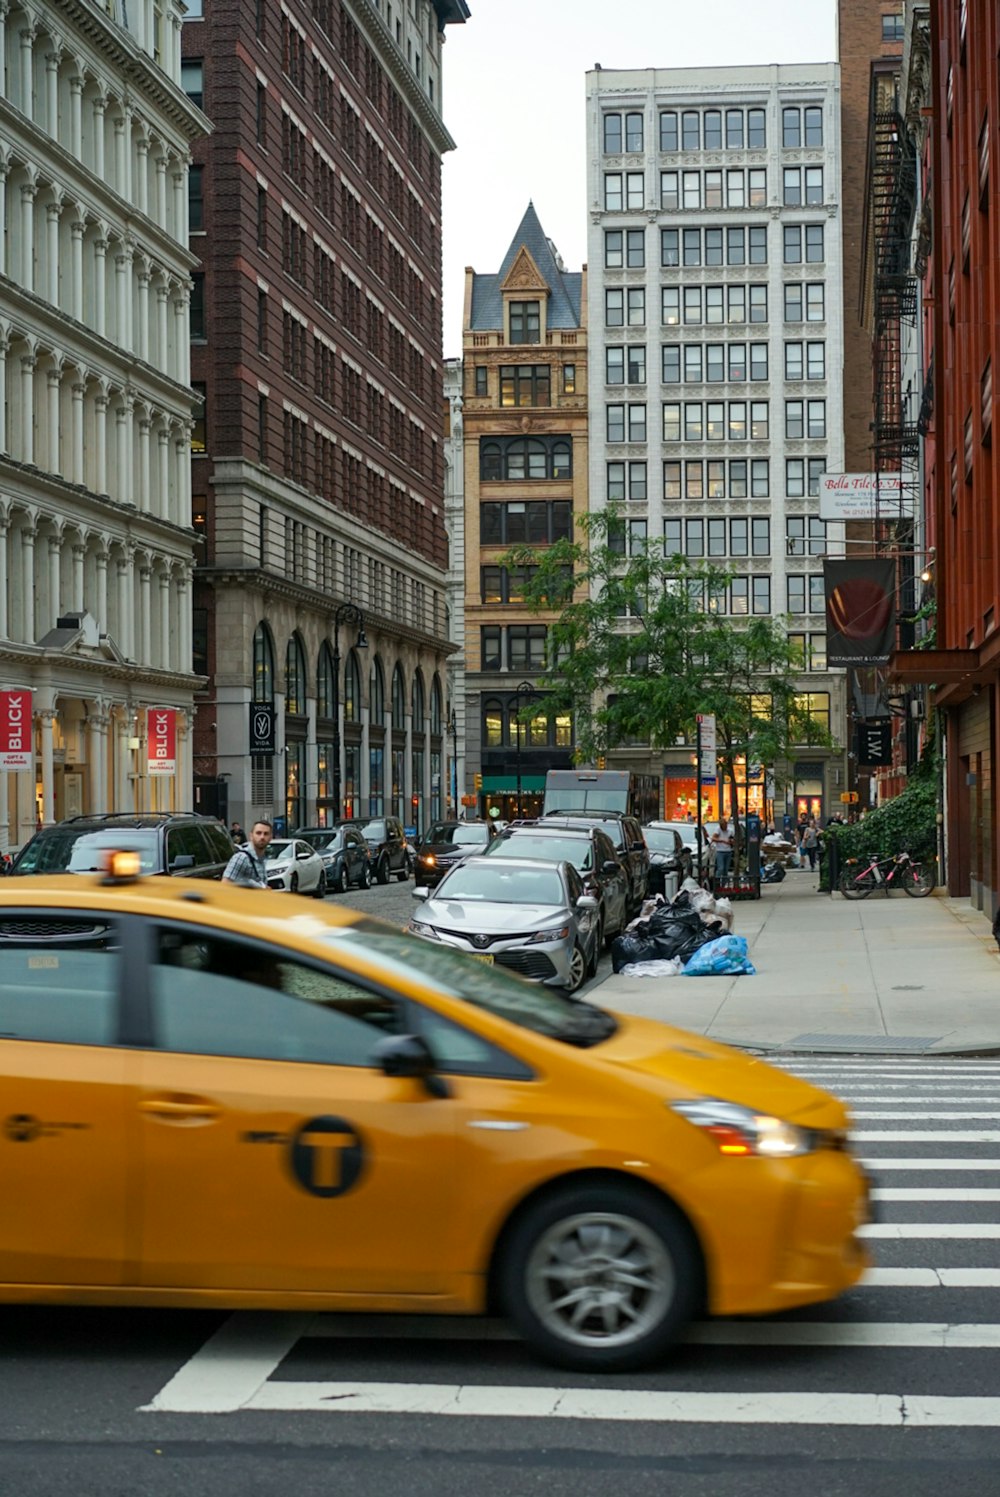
(725, 956)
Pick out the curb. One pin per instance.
(766, 1048)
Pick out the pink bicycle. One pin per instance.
(859, 878)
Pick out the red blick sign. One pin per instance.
(17, 749)
(161, 733)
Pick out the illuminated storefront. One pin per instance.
(680, 801)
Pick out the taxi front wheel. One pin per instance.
(601, 1277)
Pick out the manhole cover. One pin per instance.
(860, 1042)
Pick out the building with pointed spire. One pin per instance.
(524, 422)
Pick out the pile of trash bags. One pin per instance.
(690, 935)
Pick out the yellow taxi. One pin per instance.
(212, 1100)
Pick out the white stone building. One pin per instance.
(95, 405)
(716, 349)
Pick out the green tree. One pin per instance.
(639, 646)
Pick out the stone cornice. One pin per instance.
(71, 503)
(28, 657)
(405, 81)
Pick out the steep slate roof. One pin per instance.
(565, 286)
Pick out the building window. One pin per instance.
(813, 126)
(192, 80)
(525, 322)
(262, 218)
(756, 129)
(893, 27)
(525, 385)
(262, 115)
(196, 202)
(668, 130)
(197, 308)
(481, 375)
(198, 429)
(805, 535)
(569, 379)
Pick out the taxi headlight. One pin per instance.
(739, 1130)
(549, 935)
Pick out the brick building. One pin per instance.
(963, 481)
(318, 472)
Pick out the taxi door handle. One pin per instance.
(180, 1109)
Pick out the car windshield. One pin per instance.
(551, 849)
(458, 834)
(500, 885)
(659, 838)
(64, 850)
(457, 975)
(320, 840)
(275, 852)
(372, 831)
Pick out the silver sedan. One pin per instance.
(533, 918)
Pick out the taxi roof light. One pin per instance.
(120, 865)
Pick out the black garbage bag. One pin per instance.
(628, 948)
(678, 932)
(772, 874)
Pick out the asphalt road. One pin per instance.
(891, 1390)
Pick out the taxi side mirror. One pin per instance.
(409, 1055)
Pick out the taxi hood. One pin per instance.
(691, 1066)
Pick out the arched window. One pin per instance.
(376, 694)
(398, 699)
(325, 693)
(263, 665)
(435, 706)
(490, 460)
(352, 690)
(562, 460)
(493, 723)
(295, 678)
(419, 704)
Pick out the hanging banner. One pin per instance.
(16, 746)
(874, 745)
(261, 728)
(860, 610)
(161, 733)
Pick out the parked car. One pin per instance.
(387, 844)
(688, 833)
(293, 865)
(534, 918)
(347, 859)
(181, 843)
(311, 1080)
(592, 854)
(446, 843)
(668, 854)
(627, 839)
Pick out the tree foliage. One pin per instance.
(638, 648)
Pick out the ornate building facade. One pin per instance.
(96, 545)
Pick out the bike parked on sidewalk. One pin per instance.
(859, 877)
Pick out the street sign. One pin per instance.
(708, 746)
(261, 728)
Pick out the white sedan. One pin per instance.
(295, 866)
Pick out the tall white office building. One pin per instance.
(716, 352)
(96, 544)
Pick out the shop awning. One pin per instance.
(506, 784)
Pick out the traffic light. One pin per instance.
(478, 781)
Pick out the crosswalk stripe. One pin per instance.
(966, 1099)
(897, 1409)
(904, 1193)
(969, 1231)
(929, 1116)
(931, 1278)
(927, 1135)
(930, 1166)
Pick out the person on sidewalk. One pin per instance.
(722, 847)
(809, 842)
(246, 866)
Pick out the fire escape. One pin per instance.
(897, 382)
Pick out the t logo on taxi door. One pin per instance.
(327, 1156)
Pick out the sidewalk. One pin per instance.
(887, 976)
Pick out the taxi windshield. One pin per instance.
(496, 992)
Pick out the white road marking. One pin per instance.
(904, 1193)
(898, 1231)
(926, 1116)
(898, 1410)
(931, 1166)
(926, 1135)
(232, 1365)
(931, 1278)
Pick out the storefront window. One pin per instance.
(295, 784)
(376, 788)
(398, 784)
(435, 785)
(680, 798)
(352, 778)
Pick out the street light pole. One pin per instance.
(525, 690)
(346, 613)
(453, 730)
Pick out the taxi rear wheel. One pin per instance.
(601, 1277)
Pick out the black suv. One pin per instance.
(182, 843)
(345, 853)
(387, 844)
(590, 851)
(630, 845)
(446, 843)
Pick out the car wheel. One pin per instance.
(382, 871)
(595, 955)
(577, 969)
(601, 1277)
(343, 882)
(293, 883)
(320, 890)
(405, 871)
(366, 877)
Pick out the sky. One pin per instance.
(513, 93)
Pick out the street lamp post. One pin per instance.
(346, 613)
(525, 690)
(453, 730)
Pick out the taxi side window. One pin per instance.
(59, 980)
(459, 1052)
(217, 997)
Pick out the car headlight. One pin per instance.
(418, 928)
(549, 935)
(428, 859)
(740, 1130)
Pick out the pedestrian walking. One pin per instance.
(809, 841)
(246, 867)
